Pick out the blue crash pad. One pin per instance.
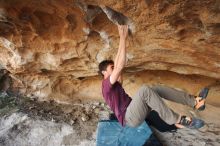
(111, 133)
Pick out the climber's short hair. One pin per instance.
(103, 65)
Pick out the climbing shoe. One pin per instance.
(203, 94)
(191, 123)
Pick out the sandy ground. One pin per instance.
(27, 122)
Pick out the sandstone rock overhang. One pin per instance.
(53, 47)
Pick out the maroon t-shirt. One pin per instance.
(116, 98)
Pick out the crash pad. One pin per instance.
(111, 133)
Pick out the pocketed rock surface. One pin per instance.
(53, 48)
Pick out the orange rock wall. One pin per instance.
(53, 48)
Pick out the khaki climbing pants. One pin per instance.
(150, 98)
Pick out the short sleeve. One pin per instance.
(107, 84)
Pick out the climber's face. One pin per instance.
(108, 70)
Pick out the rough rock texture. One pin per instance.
(52, 48)
(21, 130)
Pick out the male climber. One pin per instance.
(133, 111)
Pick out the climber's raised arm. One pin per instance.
(120, 58)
